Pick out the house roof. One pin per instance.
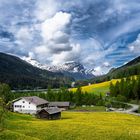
(34, 99)
(60, 104)
(51, 110)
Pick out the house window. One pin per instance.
(18, 106)
(29, 106)
(23, 106)
(29, 102)
(23, 101)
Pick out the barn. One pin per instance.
(49, 113)
(62, 105)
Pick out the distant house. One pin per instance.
(49, 113)
(29, 105)
(62, 105)
(107, 94)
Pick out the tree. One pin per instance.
(78, 96)
(50, 94)
(5, 93)
(5, 97)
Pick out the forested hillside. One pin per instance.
(21, 75)
(129, 69)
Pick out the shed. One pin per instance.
(49, 113)
(62, 105)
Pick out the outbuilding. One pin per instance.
(62, 105)
(49, 113)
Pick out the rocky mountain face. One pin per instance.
(72, 69)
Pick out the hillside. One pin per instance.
(129, 69)
(21, 75)
(73, 126)
(98, 88)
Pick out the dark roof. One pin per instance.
(60, 104)
(51, 110)
(34, 99)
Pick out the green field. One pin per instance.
(89, 108)
(97, 88)
(73, 126)
(100, 88)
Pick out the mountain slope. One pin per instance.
(20, 74)
(72, 69)
(129, 69)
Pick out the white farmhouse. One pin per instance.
(29, 105)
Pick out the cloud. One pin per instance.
(86, 31)
(106, 64)
(45, 9)
(66, 56)
(135, 46)
(23, 34)
(56, 24)
(57, 46)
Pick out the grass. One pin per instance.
(89, 108)
(97, 88)
(100, 88)
(73, 126)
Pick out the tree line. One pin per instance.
(63, 94)
(127, 89)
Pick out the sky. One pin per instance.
(99, 34)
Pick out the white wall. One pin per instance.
(26, 107)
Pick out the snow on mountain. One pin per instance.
(71, 68)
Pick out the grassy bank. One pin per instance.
(73, 126)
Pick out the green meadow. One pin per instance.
(73, 126)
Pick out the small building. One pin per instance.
(49, 113)
(107, 94)
(29, 105)
(62, 105)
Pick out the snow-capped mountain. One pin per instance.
(73, 69)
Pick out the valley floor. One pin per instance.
(73, 126)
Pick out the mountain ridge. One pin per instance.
(71, 68)
(20, 74)
(129, 69)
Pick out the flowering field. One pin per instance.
(98, 88)
(73, 126)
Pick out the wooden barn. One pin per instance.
(49, 113)
(62, 105)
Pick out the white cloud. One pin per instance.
(74, 54)
(135, 46)
(98, 71)
(106, 64)
(23, 34)
(55, 25)
(45, 9)
(57, 46)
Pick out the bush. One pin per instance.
(139, 110)
(121, 98)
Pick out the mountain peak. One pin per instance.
(70, 68)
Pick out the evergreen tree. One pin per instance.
(5, 93)
(78, 96)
